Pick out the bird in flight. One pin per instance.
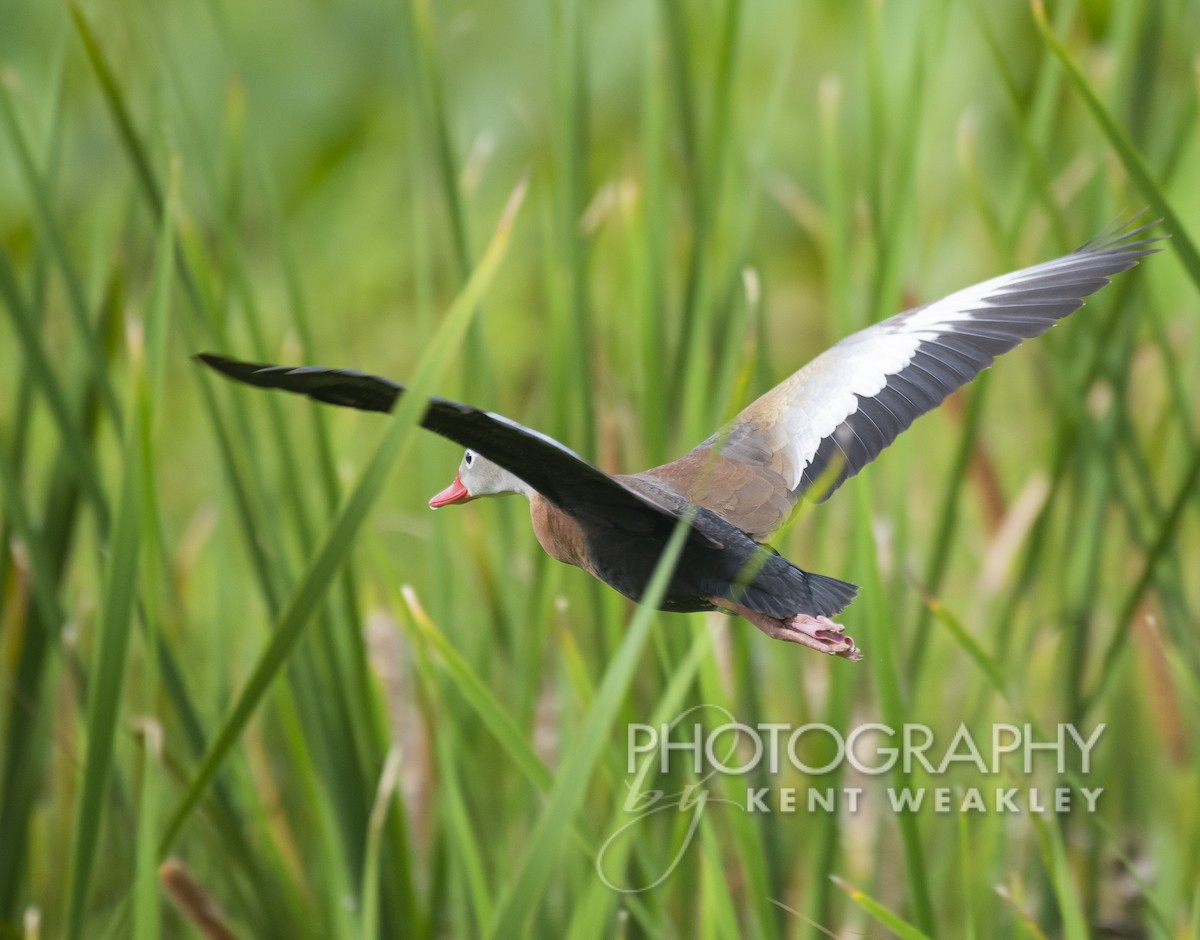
(803, 438)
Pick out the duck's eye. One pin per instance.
(469, 458)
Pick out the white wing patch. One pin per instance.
(546, 438)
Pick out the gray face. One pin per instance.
(477, 476)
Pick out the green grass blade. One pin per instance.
(1131, 158)
(1074, 923)
(37, 361)
(334, 549)
(1184, 248)
(1163, 543)
(116, 101)
(146, 889)
(612, 861)
(120, 587)
(40, 191)
(900, 927)
(883, 651)
(384, 797)
(570, 787)
(987, 665)
(490, 711)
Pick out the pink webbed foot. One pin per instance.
(818, 633)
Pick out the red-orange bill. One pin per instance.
(456, 492)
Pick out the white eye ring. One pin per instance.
(469, 458)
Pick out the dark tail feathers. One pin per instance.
(783, 590)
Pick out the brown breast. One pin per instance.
(560, 536)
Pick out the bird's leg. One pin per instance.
(818, 633)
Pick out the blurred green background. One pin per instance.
(233, 645)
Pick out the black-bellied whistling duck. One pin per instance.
(803, 438)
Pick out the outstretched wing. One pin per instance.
(551, 468)
(827, 421)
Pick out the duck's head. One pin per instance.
(477, 476)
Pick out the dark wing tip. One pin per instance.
(1125, 237)
(345, 387)
(211, 359)
(233, 368)
(264, 375)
